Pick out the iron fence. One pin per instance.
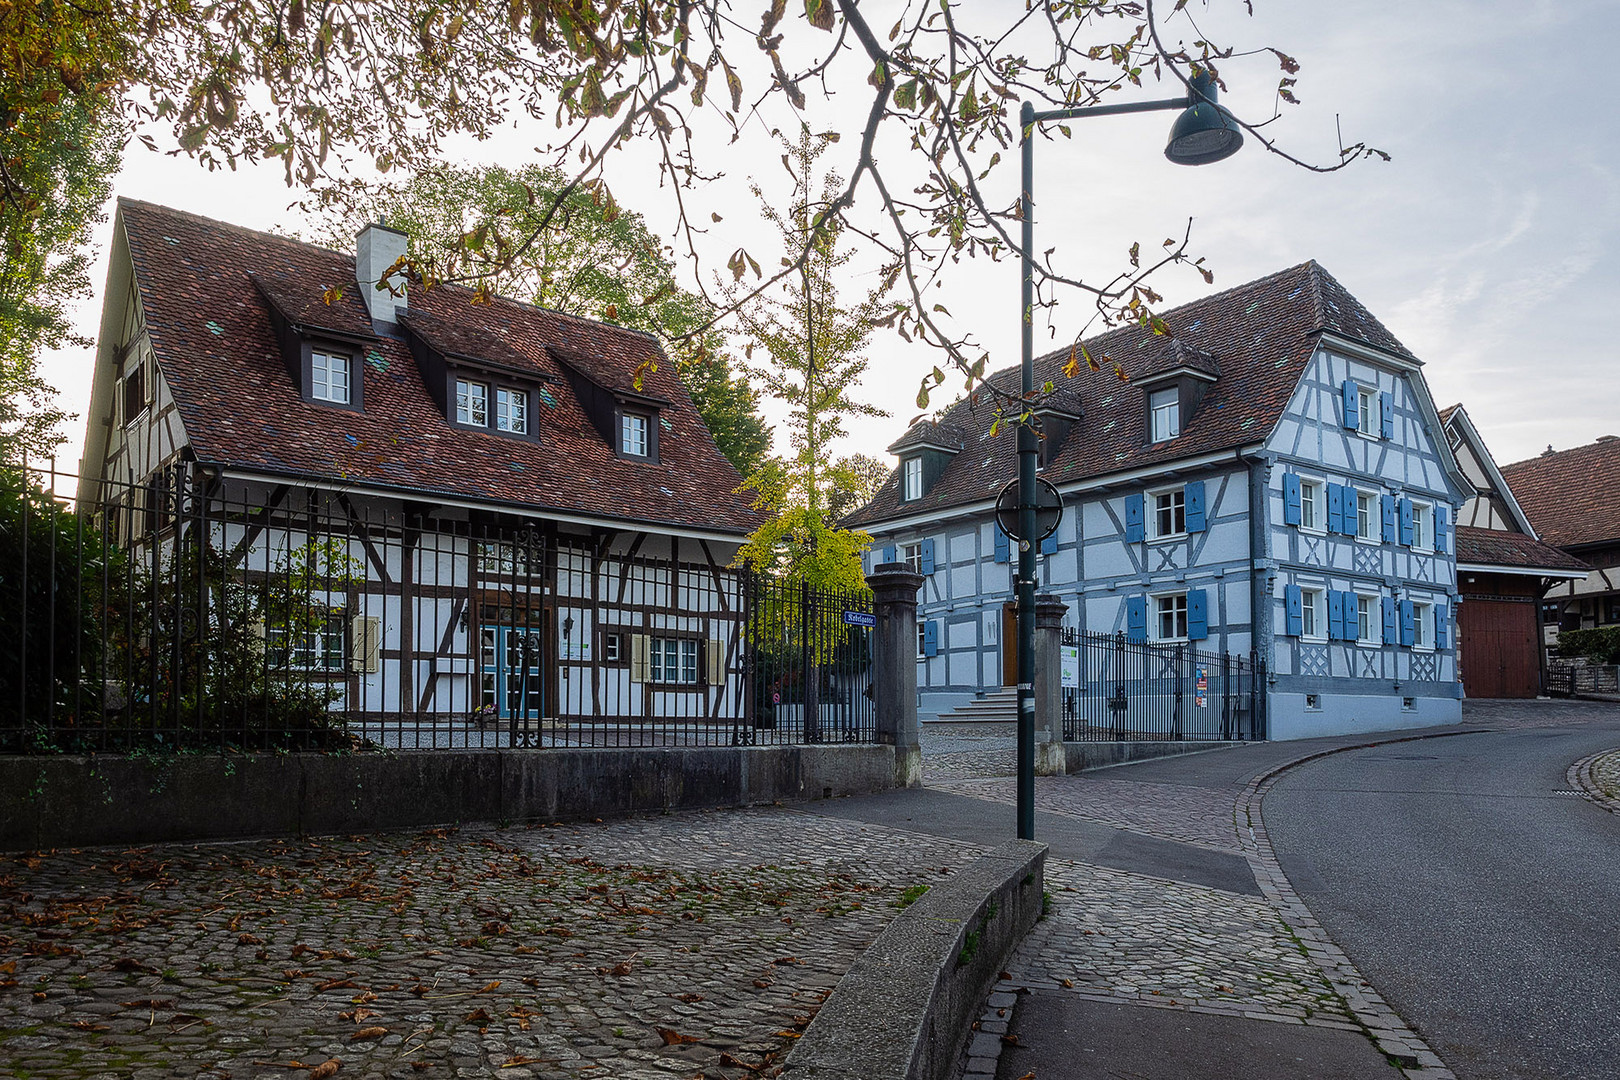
(1117, 689)
(192, 612)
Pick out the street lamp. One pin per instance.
(1203, 133)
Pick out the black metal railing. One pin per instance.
(188, 612)
(1116, 689)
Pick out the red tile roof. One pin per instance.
(1572, 496)
(1259, 336)
(211, 332)
(1495, 547)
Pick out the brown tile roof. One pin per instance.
(1495, 547)
(210, 329)
(1571, 496)
(1260, 336)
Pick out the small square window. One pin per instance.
(1164, 413)
(1169, 513)
(1409, 704)
(329, 377)
(472, 403)
(911, 479)
(633, 435)
(1310, 504)
(1313, 702)
(1366, 515)
(512, 410)
(911, 555)
(1171, 624)
(613, 647)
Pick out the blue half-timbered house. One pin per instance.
(1271, 478)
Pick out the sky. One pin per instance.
(1489, 244)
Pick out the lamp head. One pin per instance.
(1205, 132)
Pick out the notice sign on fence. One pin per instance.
(1201, 697)
(860, 618)
(1069, 664)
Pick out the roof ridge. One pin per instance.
(145, 204)
(1601, 440)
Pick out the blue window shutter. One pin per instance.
(1134, 532)
(1440, 635)
(1335, 614)
(1003, 547)
(1290, 498)
(1386, 413)
(931, 637)
(1352, 404)
(1136, 618)
(1293, 610)
(1049, 545)
(1407, 622)
(1387, 502)
(1406, 522)
(888, 554)
(1193, 494)
(1197, 615)
(928, 556)
(1392, 629)
(1442, 529)
(1335, 496)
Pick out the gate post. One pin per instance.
(894, 667)
(1051, 759)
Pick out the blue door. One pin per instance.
(510, 674)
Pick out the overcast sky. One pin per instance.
(1488, 244)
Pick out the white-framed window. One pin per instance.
(673, 660)
(1164, 414)
(512, 410)
(1169, 510)
(633, 435)
(1369, 630)
(1369, 420)
(1313, 702)
(1422, 529)
(911, 555)
(922, 645)
(329, 377)
(311, 643)
(911, 479)
(1170, 617)
(1422, 625)
(472, 403)
(501, 557)
(1367, 521)
(613, 647)
(1312, 505)
(1312, 613)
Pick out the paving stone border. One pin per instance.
(1597, 778)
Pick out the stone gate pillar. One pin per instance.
(1050, 757)
(894, 666)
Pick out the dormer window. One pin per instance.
(1164, 414)
(330, 374)
(911, 479)
(472, 403)
(633, 437)
(512, 410)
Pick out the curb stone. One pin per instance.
(1582, 776)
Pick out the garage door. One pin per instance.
(1497, 642)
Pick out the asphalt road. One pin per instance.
(1483, 904)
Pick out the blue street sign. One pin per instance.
(859, 618)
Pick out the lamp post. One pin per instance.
(1203, 133)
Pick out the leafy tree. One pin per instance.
(591, 257)
(855, 481)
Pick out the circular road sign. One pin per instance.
(1048, 510)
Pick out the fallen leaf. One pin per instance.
(356, 1015)
(1068, 984)
(1004, 976)
(368, 1033)
(763, 983)
(478, 1016)
(249, 939)
(124, 963)
(1010, 1040)
(149, 1003)
(365, 998)
(325, 1069)
(727, 1059)
(672, 1037)
(787, 960)
(335, 984)
(689, 998)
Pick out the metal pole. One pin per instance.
(1026, 491)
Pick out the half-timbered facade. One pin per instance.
(515, 512)
(1271, 479)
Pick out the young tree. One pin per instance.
(855, 480)
(591, 257)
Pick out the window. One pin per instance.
(1164, 414)
(329, 377)
(1409, 704)
(633, 435)
(673, 660)
(911, 555)
(1422, 534)
(311, 643)
(911, 479)
(1422, 625)
(922, 639)
(506, 558)
(134, 392)
(1366, 515)
(1368, 630)
(613, 647)
(1367, 415)
(512, 411)
(1313, 702)
(1171, 622)
(472, 403)
(1312, 617)
(1169, 513)
(1310, 504)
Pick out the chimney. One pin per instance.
(376, 249)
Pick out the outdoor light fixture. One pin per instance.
(1206, 132)
(1203, 133)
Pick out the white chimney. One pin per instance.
(376, 249)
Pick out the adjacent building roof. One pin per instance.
(1572, 496)
(1259, 337)
(1510, 550)
(205, 286)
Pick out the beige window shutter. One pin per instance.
(715, 652)
(365, 643)
(640, 646)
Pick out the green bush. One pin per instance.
(1601, 644)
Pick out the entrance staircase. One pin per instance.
(995, 707)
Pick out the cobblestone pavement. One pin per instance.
(680, 946)
(1598, 778)
(1191, 815)
(966, 751)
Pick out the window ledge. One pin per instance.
(1167, 538)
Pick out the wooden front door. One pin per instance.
(1497, 648)
(1009, 645)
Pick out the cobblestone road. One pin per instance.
(681, 946)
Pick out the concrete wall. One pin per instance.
(72, 801)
